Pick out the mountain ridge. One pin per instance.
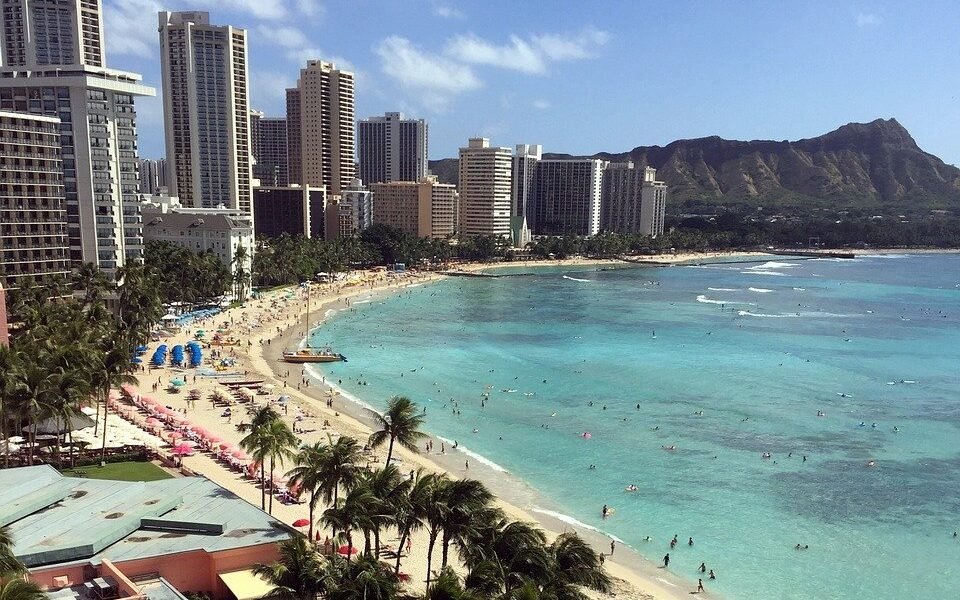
(875, 164)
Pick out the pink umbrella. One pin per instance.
(240, 455)
(176, 417)
(148, 400)
(226, 446)
(183, 450)
(201, 431)
(152, 422)
(212, 439)
(174, 435)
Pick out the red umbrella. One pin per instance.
(301, 523)
(345, 549)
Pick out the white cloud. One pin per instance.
(541, 104)
(530, 55)
(131, 27)
(868, 20)
(433, 77)
(311, 8)
(262, 9)
(517, 55)
(296, 46)
(447, 12)
(269, 87)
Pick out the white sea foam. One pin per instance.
(572, 521)
(760, 290)
(414, 285)
(705, 300)
(576, 279)
(773, 265)
(799, 289)
(362, 302)
(886, 256)
(330, 311)
(778, 274)
(722, 289)
(483, 460)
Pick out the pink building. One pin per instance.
(4, 332)
(84, 539)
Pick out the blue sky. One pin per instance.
(583, 76)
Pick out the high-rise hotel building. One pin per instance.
(206, 111)
(392, 148)
(52, 63)
(632, 200)
(320, 128)
(33, 212)
(269, 147)
(566, 197)
(484, 189)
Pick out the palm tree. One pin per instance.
(389, 488)
(468, 502)
(278, 443)
(401, 423)
(410, 509)
(503, 555)
(447, 586)
(241, 276)
(9, 565)
(113, 370)
(253, 443)
(299, 574)
(35, 390)
(366, 579)
(435, 514)
(18, 589)
(308, 475)
(340, 469)
(574, 564)
(9, 369)
(351, 513)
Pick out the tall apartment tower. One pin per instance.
(484, 189)
(52, 32)
(52, 63)
(153, 175)
(269, 147)
(321, 109)
(33, 212)
(392, 148)
(632, 200)
(425, 208)
(206, 111)
(525, 160)
(566, 198)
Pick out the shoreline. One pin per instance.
(639, 577)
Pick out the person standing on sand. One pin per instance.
(612, 546)
(700, 586)
(666, 560)
(466, 464)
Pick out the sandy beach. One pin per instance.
(275, 322)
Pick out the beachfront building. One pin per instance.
(424, 208)
(392, 148)
(153, 175)
(33, 213)
(632, 200)
(291, 210)
(220, 230)
(136, 540)
(52, 63)
(269, 146)
(565, 197)
(351, 213)
(320, 128)
(485, 174)
(206, 111)
(4, 328)
(525, 160)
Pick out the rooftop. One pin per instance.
(55, 519)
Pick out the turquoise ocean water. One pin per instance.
(759, 348)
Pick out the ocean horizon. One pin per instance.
(755, 406)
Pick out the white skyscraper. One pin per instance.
(525, 161)
(321, 141)
(484, 189)
(206, 111)
(392, 148)
(52, 63)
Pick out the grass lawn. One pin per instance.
(122, 471)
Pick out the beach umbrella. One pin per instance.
(226, 446)
(136, 361)
(301, 523)
(153, 422)
(346, 549)
(178, 382)
(183, 450)
(240, 455)
(174, 435)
